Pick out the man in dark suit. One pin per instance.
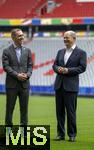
(69, 63)
(17, 63)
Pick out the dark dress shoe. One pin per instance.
(72, 139)
(59, 138)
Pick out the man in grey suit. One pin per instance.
(69, 63)
(17, 63)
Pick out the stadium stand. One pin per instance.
(64, 8)
(40, 8)
(45, 50)
(71, 8)
(17, 8)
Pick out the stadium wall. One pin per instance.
(49, 90)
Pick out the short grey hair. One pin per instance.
(71, 33)
(13, 32)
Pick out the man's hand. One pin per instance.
(22, 76)
(60, 69)
(63, 70)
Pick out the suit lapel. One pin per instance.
(72, 56)
(62, 56)
(13, 52)
(22, 54)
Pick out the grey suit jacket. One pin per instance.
(12, 67)
(76, 64)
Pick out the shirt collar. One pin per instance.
(15, 46)
(72, 48)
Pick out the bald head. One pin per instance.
(69, 38)
(71, 33)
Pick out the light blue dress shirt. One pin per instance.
(18, 53)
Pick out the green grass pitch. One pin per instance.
(42, 112)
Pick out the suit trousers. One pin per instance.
(11, 97)
(66, 103)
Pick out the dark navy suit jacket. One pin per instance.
(76, 64)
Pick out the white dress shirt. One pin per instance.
(68, 53)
